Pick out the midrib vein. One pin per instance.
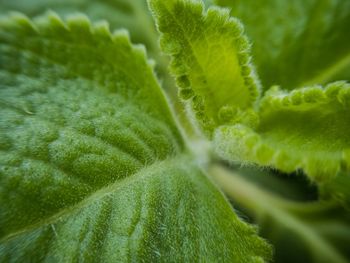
(95, 196)
(187, 39)
(195, 55)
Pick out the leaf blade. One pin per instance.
(120, 14)
(210, 59)
(304, 129)
(80, 140)
(89, 149)
(148, 234)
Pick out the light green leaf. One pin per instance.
(297, 43)
(306, 128)
(92, 166)
(314, 231)
(210, 59)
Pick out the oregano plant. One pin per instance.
(228, 142)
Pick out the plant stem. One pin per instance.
(287, 214)
(256, 200)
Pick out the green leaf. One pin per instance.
(315, 231)
(131, 15)
(297, 43)
(166, 212)
(306, 128)
(92, 165)
(210, 60)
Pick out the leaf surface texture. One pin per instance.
(92, 165)
(306, 128)
(209, 58)
(120, 14)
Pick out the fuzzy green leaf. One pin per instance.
(306, 128)
(92, 166)
(297, 43)
(210, 59)
(131, 15)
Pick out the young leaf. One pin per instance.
(315, 232)
(307, 128)
(92, 166)
(297, 43)
(210, 59)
